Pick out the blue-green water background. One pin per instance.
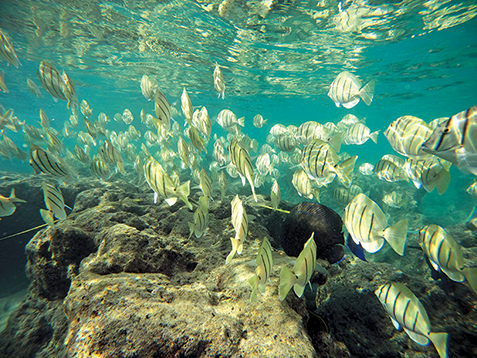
(428, 76)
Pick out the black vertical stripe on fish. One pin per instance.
(306, 268)
(395, 304)
(439, 248)
(444, 132)
(361, 220)
(448, 257)
(415, 321)
(404, 315)
(387, 293)
(466, 126)
(371, 225)
(53, 195)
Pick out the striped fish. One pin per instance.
(54, 200)
(407, 134)
(407, 311)
(393, 200)
(346, 90)
(367, 225)
(163, 113)
(196, 139)
(85, 109)
(44, 120)
(429, 173)
(343, 195)
(163, 185)
(147, 87)
(258, 121)
(205, 183)
(455, 140)
(7, 51)
(183, 150)
(82, 156)
(51, 80)
(112, 156)
(90, 128)
(201, 121)
(275, 195)
(359, 134)
(445, 255)
(389, 171)
(99, 168)
(263, 270)
(69, 91)
(219, 152)
(241, 161)
(240, 223)
(320, 162)
(47, 216)
(302, 184)
(228, 120)
(302, 271)
(44, 162)
(219, 82)
(7, 205)
(201, 218)
(285, 142)
(186, 106)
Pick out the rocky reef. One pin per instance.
(120, 277)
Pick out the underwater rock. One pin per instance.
(53, 256)
(306, 218)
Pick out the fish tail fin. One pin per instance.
(344, 170)
(14, 199)
(264, 121)
(396, 236)
(374, 137)
(443, 181)
(316, 193)
(253, 281)
(234, 250)
(241, 121)
(439, 339)
(367, 92)
(191, 228)
(470, 274)
(183, 192)
(287, 280)
(336, 141)
(12, 194)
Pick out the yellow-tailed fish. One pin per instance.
(219, 82)
(455, 140)
(43, 161)
(359, 134)
(368, 226)
(302, 271)
(346, 90)
(201, 218)
(275, 195)
(54, 200)
(407, 311)
(446, 256)
(389, 171)
(51, 80)
(205, 183)
(263, 270)
(7, 51)
(162, 184)
(240, 223)
(7, 205)
(429, 173)
(241, 160)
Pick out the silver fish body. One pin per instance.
(240, 224)
(346, 90)
(51, 80)
(263, 270)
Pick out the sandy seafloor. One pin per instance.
(120, 277)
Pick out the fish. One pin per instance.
(99, 168)
(393, 200)
(264, 261)
(320, 162)
(275, 195)
(183, 150)
(148, 87)
(390, 172)
(346, 90)
(205, 183)
(7, 51)
(355, 248)
(472, 189)
(90, 128)
(112, 156)
(240, 224)
(263, 163)
(163, 113)
(241, 161)
(303, 185)
(309, 131)
(228, 120)
(285, 142)
(446, 256)
(7, 205)
(197, 140)
(407, 311)
(258, 121)
(51, 80)
(302, 271)
(429, 173)
(47, 216)
(343, 195)
(69, 90)
(3, 85)
(127, 116)
(162, 184)
(43, 161)
(219, 82)
(222, 185)
(201, 218)
(81, 154)
(347, 121)
(201, 121)
(359, 134)
(306, 218)
(186, 106)
(455, 140)
(407, 134)
(85, 109)
(54, 200)
(368, 226)
(219, 152)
